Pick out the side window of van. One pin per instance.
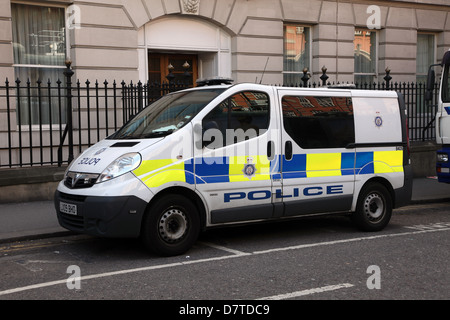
(319, 122)
(240, 117)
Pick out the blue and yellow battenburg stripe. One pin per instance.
(155, 173)
(340, 164)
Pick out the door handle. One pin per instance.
(288, 150)
(270, 150)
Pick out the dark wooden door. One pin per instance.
(183, 67)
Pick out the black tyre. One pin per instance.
(171, 225)
(374, 208)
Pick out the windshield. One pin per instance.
(168, 114)
(446, 84)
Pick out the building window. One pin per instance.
(39, 48)
(297, 53)
(425, 55)
(365, 55)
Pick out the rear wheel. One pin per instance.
(374, 208)
(171, 225)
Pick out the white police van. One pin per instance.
(227, 154)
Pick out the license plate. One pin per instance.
(445, 170)
(68, 208)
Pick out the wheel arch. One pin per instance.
(188, 193)
(383, 181)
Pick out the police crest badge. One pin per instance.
(249, 168)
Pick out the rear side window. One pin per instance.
(319, 122)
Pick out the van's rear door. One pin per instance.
(381, 142)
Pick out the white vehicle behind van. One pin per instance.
(231, 154)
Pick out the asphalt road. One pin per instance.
(316, 258)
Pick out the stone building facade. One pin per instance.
(248, 40)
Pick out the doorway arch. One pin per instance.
(190, 36)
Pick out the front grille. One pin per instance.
(74, 222)
(72, 197)
(75, 180)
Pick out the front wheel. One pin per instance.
(374, 208)
(171, 225)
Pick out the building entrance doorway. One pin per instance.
(205, 46)
(173, 67)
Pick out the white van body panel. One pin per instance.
(443, 123)
(96, 158)
(376, 117)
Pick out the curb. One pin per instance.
(428, 201)
(38, 236)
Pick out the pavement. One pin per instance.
(37, 220)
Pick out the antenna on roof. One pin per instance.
(264, 71)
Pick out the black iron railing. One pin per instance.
(47, 123)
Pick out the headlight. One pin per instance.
(442, 157)
(126, 163)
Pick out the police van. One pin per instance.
(219, 155)
(442, 117)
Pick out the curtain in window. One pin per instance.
(425, 55)
(365, 52)
(38, 35)
(365, 57)
(39, 49)
(296, 53)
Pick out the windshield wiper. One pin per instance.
(156, 134)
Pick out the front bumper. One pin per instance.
(403, 195)
(443, 174)
(443, 168)
(105, 216)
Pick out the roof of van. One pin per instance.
(343, 88)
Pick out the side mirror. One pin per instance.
(431, 78)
